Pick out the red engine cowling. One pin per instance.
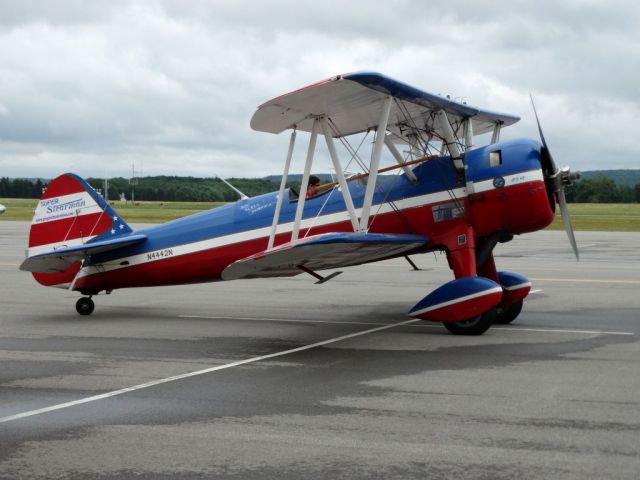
(506, 188)
(515, 209)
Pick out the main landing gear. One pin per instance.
(85, 306)
(508, 314)
(473, 326)
(480, 295)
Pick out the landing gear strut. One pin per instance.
(472, 326)
(85, 306)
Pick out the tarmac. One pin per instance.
(282, 378)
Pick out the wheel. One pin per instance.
(509, 314)
(472, 326)
(85, 306)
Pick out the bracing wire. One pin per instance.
(411, 122)
(353, 152)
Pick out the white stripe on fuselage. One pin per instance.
(248, 235)
(509, 181)
(323, 220)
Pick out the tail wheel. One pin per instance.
(509, 314)
(472, 326)
(85, 306)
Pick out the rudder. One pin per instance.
(69, 213)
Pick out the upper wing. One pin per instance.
(353, 103)
(320, 252)
(59, 260)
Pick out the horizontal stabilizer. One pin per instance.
(321, 252)
(60, 259)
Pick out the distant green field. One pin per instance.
(608, 217)
(18, 208)
(584, 216)
(138, 212)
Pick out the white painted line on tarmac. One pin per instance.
(586, 280)
(558, 330)
(282, 320)
(425, 324)
(174, 378)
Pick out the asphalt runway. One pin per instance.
(287, 379)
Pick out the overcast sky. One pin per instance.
(91, 87)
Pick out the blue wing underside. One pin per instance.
(323, 252)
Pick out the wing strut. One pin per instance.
(468, 135)
(283, 184)
(346, 194)
(450, 140)
(305, 180)
(495, 137)
(396, 154)
(374, 164)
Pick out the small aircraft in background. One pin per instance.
(2, 209)
(450, 195)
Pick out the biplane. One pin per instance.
(448, 195)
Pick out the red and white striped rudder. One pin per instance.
(70, 213)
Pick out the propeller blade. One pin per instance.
(566, 220)
(557, 183)
(544, 143)
(551, 167)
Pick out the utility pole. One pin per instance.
(133, 181)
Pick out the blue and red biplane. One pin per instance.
(449, 195)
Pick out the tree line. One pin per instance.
(183, 189)
(21, 187)
(160, 188)
(599, 189)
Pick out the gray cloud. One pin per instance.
(172, 85)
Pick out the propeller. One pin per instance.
(556, 181)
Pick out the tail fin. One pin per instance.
(70, 213)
